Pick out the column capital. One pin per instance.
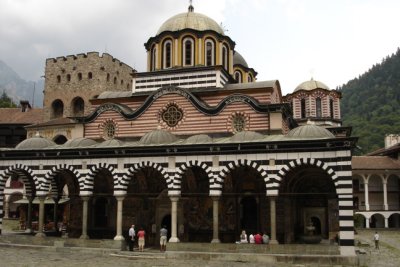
(174, 198)
(85, 198)
(120, 198)
(215, 198)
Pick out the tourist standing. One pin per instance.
(265, 238)
(376, 239)
(141, 234)
(243, 237)
(251, 239)
(131, 234)
(163, 238)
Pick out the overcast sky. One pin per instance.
(332, 41)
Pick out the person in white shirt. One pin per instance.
(131, 234)
(251, 239)
(376, 239)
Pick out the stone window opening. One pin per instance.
(122, 82)
(249, 78)
(80, 76)
(90, 75)
(115, 80)
(303, 108)
(238, 76)
(210, 54)
(167, 54)
(188, 52)
(172, 115)
(57, 109)
(153, 58)
(318, 107)
(78, 106)
(225, 57)
(68, 77)
(108, 77)
(58, 78)
(331, 108)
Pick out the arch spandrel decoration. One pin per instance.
(49, 177)
(93, 171)
(277, 179)
(230, 166)
(22, 171)
(194, 163)
(134, 168)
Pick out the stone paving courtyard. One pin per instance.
(388, 255)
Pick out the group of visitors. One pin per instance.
(141, 238)
(257, 238)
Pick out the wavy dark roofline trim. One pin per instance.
(130, 114)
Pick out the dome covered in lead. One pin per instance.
(311, 85)
(246, 136)
(198, 139)
(36, 142)
(157, 137)
(190, 20)
(79, 142)
(239, 60)
(310, 131)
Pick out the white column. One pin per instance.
(28, 222)
(41, 217)
(367, 223)
(174, 221)
(6, 206)
(85, 200)
(385, 201)
(272, 207)
(120, 200)
(215, 221)
(366, 194)
(386, 222)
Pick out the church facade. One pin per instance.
(194, 143)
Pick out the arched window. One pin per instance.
(331, 108)
(210, 52)
(58, 78)
(188, 52)
(167, 54)
(238, 76)
(115, 80)
(249, 78)
(90, 75)
(57, 109)
(78, 106)
(108, 77)
(225, 57)
(153, 58)
(303, 108)
(79, 76)
(69, 77)
(318, 107)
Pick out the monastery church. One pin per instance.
(195, 143)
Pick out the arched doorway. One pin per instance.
(243, 204)
(307, 197)
(166, 221)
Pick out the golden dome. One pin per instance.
(190, 20)
(311, 85)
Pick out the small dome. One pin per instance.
(198, 139)
(111, 143)
(79, 142)
(311, 85)
(157, 137)
(310, 131)
(36, 142)
(246, 136)
(238, 59)
(190, 20)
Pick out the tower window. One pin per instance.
(225, 57)
(79, 76)
(90, 75)
(210, 55)
(69, 77)
(318, 107)
(153, 58)
(249, 78)
(303, 108)
(167, 54)
(108, 77)
(58, 78)
(188, 55)
(238, 76)
(115, 80)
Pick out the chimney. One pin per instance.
(25, 106)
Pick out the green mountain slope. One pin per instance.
(371, 103)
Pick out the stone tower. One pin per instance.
(73, 80)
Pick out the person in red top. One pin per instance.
(258, 238)
(141, 235)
